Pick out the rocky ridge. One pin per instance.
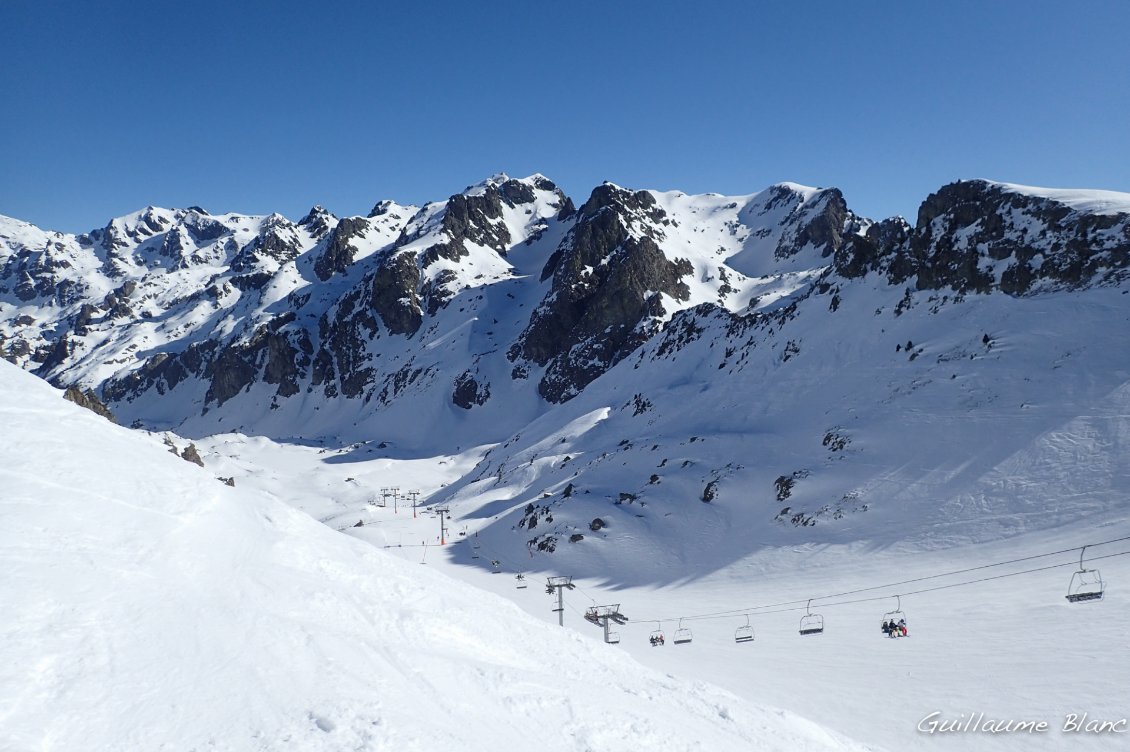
(504, 293)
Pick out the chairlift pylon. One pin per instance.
(896, 618)
(1086, 584)
(811, 623)
(744, 633)
(682, 634)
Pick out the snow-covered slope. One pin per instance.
(148, 606)
(695, 403)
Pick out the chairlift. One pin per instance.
(495, 566)
(613, 638)
(1086, 584)
(521, 584)
(744, 633)
(811, 623)
(656, 639)
(896, 617)
(682, 634)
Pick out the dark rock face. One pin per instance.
(204, 229)
(343, 357)
(469, 392)
(394, 293)
(162, 372)
(820, 222)
(882, 247)
(967, 228)
(606, 283)
(469, 218)
(230, 373)
(268, 355)
(338, 254)
(89, 400)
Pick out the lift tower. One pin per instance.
(559, 584)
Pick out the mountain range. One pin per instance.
(641, 356)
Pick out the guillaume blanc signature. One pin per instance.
(977, 723)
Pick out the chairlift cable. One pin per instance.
(796, 607)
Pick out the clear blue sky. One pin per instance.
(276, 105)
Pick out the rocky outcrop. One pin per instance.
(820, 222)
(607, 276)
(318, 222)
(339, 252)
(977, 237)
(469, 392)
(88, 399)
(268, 355)
(394, 296)
(882, 247)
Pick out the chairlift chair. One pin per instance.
(682, 634)
(811, 623)
(1086, 584)
(895, 617)
(656, 639)
(495, 566)
(744, 633)
(613, 638)
(521, 578)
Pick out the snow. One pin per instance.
(149, 606)
(1011, 648)
(1083, 200)
(970, 452)
(975, 429)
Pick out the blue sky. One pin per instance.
(275, 106)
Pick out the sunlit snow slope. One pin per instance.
(147, 606)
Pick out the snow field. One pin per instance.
(151, 607)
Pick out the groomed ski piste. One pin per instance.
(147, 606)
